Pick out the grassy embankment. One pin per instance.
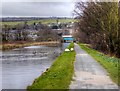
(59, 75)
(9, 46)
(111, 64)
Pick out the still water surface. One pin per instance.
(21, 66)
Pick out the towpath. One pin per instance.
(89, 74)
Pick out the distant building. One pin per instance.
(68, 38)
(32, 34)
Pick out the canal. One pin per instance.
(21, 66)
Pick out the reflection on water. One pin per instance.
(21, 66)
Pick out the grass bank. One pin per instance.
(111, 64)
(59, 75)
(9, 46)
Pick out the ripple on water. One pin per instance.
(34, 47)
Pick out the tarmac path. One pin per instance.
(89, 74)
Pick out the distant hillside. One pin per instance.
(12, 19)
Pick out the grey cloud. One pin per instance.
(37, 9)
(39, 0)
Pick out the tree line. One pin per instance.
(99, 25)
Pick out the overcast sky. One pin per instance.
(25, 8)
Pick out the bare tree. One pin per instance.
(99, 23)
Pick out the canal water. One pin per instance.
(21, 66)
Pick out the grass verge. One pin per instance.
(59, 75)
(111, 64)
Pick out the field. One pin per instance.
(11, 23)
(47, 21)
(43, 21)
